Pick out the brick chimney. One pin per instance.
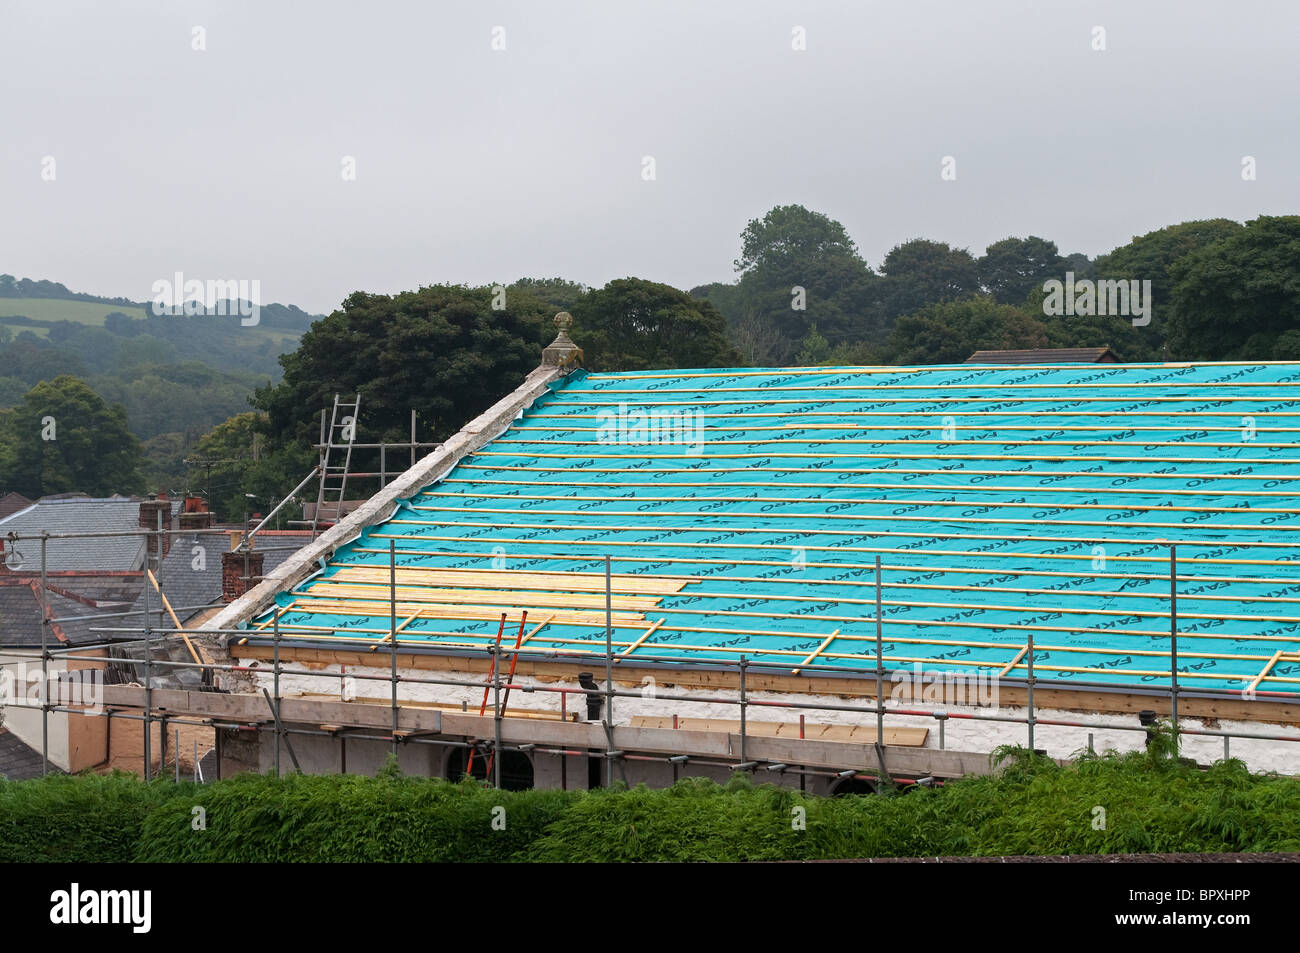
(150, 510)
(195, 514)
(233, 585)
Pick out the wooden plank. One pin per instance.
(506, 596)
(175, 621)
(334, 607)
(933, 762)
(535, 629)
(909, 736)
(818, 651)
(637, 644)
(504, 579)
(1024, 649)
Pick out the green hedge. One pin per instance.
(88, 818)
(349, 818)
(1032, 806)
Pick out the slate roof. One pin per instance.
(1003, 502)
(188, 581)
(71, 596)
(11, 503)
(79, 515)
(1059, 355)
(18, 762)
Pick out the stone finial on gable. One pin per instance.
(562, 352)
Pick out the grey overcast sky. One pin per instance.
(478, 165)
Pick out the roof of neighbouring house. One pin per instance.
(11, 503)
(1051, 355)
(72, 599)
(190, 575)
(79, 514)
(18, 762)
(1003, 503)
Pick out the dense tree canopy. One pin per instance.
(442, 351)
(1239, 297)
(239, 470)
(62, 438)
(633, 324)
(949, 332)
(1150, 257)
(1014, 267)
(798, 269)
(921, 272)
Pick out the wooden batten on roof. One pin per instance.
(1050, 355)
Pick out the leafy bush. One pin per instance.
(1149, 802)
(311, 818)
(84, 819)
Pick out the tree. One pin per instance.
(442, 351)
(12, 391)
(1150, 257)
(1239, 298)
(557, 293)
(64, 438)
(949, 332)
(1079, 264)
(1013, 267)
(798, 268)
(235, 459)
(814, 349)
(634, 324)
(30, 359)
(788, 236)
(920, 272)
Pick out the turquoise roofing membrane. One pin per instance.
(1001, 500)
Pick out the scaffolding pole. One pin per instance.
(1173, 642)
(392, 630)
(45, 661)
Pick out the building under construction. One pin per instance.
(830, 577)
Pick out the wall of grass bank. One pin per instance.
(1111, 804)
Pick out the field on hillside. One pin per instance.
(92, 314)
(57, 309)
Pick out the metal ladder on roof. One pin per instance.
(333, 478)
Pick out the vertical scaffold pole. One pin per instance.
(1029, 687)
(148, 676)
(496, 715)
(880, 664)
(744, 704)
(45, 661)
(275, 669)
(392, 630)
(609, 675)
(1173, 642)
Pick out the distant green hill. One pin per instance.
(176, 375)
(49, 310)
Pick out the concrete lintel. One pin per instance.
(479, 431)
